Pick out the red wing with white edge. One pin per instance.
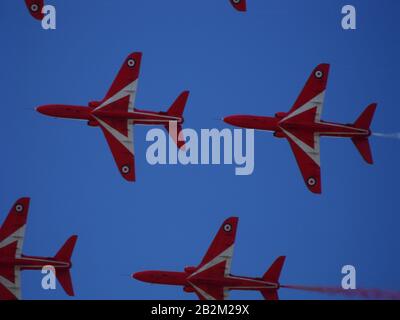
(121, 98)
(313, 94)
(13, 230)
(306, 148)
(12, 235)
(125, 84)
(119, 136)
(217, 261)
(10, 283)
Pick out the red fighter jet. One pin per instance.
(212, 279)
(302, 127)
(116, 114)
(35, 8)
(239, 5)
(12, 261)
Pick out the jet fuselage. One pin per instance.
(89, 114)
(34, 263)
(187, 280)
(275, 124)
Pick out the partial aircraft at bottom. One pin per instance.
(212, 279)
(12, 261)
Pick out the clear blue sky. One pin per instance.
(254, 63)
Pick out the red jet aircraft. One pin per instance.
(116, 114)
(12, 261)
(239, 5)
(211, 279)
(302, 127)
(35, 8)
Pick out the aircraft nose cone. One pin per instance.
(139, 276)
(226, 119)
(43, 110)
(230, 120)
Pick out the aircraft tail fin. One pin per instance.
(176, 110)
(179, 104)
(64, 275)
(362, 145)
(65, 253)
(274, 272)
(364, 122)
(272, 275)
(365, 119)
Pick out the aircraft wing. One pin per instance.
(312, 95)
(205, 292)
(12, 232)
(239, 5)
(217, 261)
(307, 110)
(119, 136)
(10, 283)
(119, 132)
(124, 85)
(306, 148)
(12, 235)
(35, 8)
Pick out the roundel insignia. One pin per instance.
(311, 181)
(227, 227)
(19, 207)
(319, 74)
(34, 7)
(125, 169)
(131, 62)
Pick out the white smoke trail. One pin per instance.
(395, 135)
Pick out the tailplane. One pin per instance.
(176, 110)
(362, 145)
(64, 275)
(364, 122)
(272, 275)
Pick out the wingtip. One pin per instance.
(24, 201)
(239, 5)
(232, 220)
(35, 8)
(73, 238)
(136, 54)
(324, 67)
(315, 190)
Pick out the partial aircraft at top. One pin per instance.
(302, 127)
(212, 278)
(12, 261)
(116, 114)
(35, 8)
(239, 5)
